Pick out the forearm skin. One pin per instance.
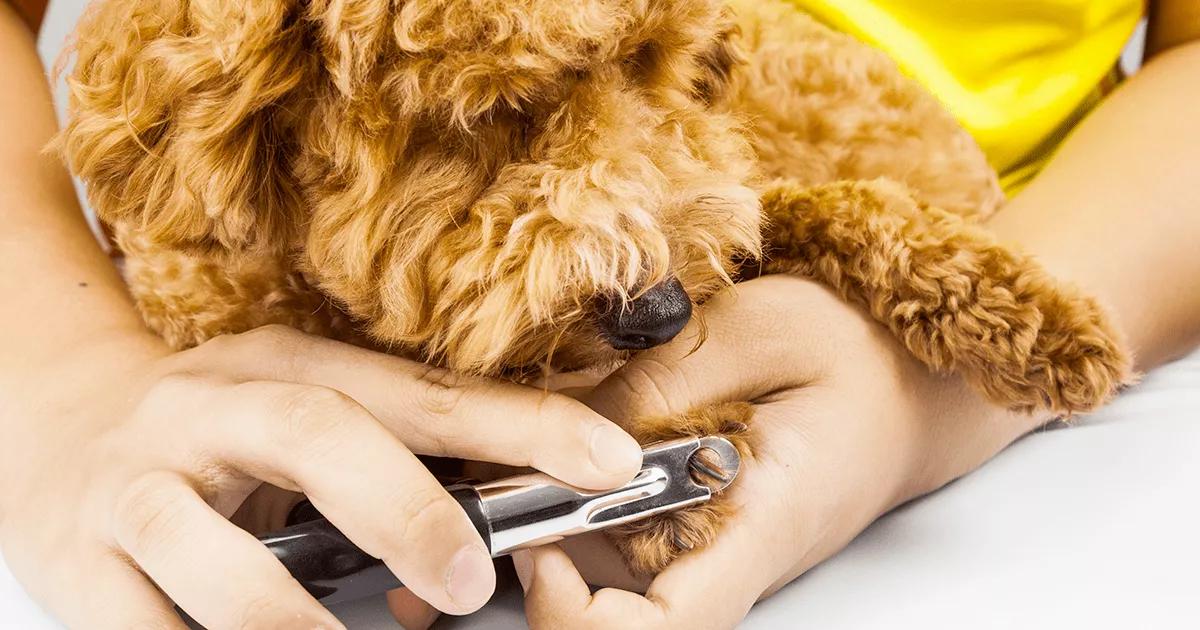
(1117, 211)
(60, 290)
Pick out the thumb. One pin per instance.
(556, 596)
(747, 347)
(547, 572)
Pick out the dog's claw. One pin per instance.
(723, 433)
(736, 427)
(699, 465)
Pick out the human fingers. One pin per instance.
(360, 476)
(752, 350)
(556, 596)
(174, 537)
(411, 611)
(712, 587)
(441, 413)
(114, 595)
(267, 509)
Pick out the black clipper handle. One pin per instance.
(333, 569)
(514, 513)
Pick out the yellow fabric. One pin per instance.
(1015, 72)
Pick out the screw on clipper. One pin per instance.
(536, 509)
(708, 463)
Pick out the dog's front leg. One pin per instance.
(650, 545)
(955, 298)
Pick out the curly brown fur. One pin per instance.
(460, 177)
(223, 292)
(957, 300)
(822, 107)
(462, 181)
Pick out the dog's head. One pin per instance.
(495, 184)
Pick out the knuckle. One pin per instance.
(554, 415)
(314, 417)
(440, 391)
(271, 334)
(422, 514)
(148, 514)
(166, 392)
(649, 386)
(281, 343)
(219, 343)
(290, 351)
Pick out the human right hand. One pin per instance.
(125, 461)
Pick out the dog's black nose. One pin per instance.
(654, 318)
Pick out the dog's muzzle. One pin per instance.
(652, 319)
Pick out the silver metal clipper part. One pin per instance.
(536, 509)
(522, 511)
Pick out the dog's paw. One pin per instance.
(650, 545)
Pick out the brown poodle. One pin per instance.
(515, 187)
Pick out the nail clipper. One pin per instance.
(518, 512)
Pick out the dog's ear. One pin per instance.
(717, 62)
(181, 116)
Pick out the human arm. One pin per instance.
(61, 291)
(1172, 23)
(31, 12)
(1118, 210)
(1116, 213)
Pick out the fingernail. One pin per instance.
(471, 578)
(523, 562)
(613, 450)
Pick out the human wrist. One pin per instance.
(117, 343)
(956, 431)
(47, 392)
(937, 427)
(52, 400)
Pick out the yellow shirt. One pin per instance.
(1016, 73)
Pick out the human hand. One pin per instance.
(125, 460)
(846, 426)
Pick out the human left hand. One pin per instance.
(847, 426)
